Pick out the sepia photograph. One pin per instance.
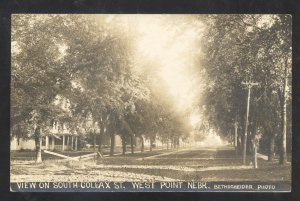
(151, 102)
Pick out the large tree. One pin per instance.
(249, 48)
(38, 72)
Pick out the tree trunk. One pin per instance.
(174, 142)
(241, 140)
(238, 142)
(271, 150)
(142, 144)
(283, 156)
(132, 144)
(102, 123)
(68, 143)
(94, 140)
(167, 143)
(255, 144)
(76, 143)
(151, 144)
(101, 137)
(52, 143)
(123, 145)
(235, 137)
(249, 149)
(37, 136)
(112, 144)
(63, 143)
(255, 155)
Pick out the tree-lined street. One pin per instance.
(210, 93)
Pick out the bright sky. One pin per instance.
(156, 41)
(168, 43)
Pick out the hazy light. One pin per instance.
(194, 119)
(62, 48)
(158, 42)
(212, 139)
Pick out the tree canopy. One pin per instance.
(111, 74)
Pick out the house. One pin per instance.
(58, 138)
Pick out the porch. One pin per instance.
(62, 142)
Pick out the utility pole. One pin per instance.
(249, 85)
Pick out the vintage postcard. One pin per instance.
(151, 103)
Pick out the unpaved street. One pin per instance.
(200, 163)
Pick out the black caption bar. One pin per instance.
(174, 186)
